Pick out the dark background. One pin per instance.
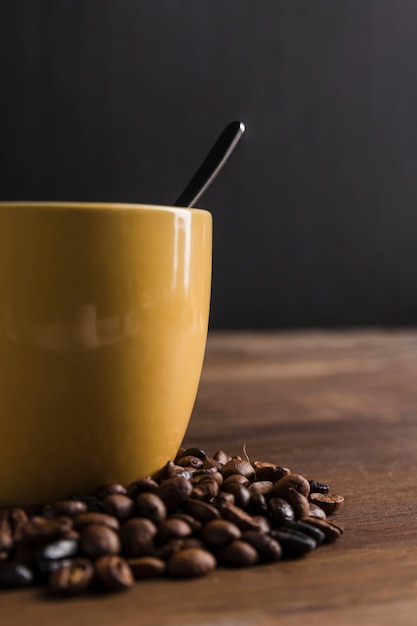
(315, 216)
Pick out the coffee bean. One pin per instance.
(17, 521)
(316, 487)
(114, 572)
(165, 550)
(269, 471)
(118, 505)
(293, 542)
(72, 578)
(49, 555)
(294, 481)
(329, 503)
(258, 503)
(174, 491)
(137, 536)
(331, 531)
(193, 542)
(222, 457)
(238, 516)
(240, 492)
(43, 530)
(150, 505)
(191, 562)
(6, 536)
(267, 547)
(206, 490)
(299, 503)
(262, 523)
(195, 452)
(317, 534)
(316, 511)
(93, 504)
(238, 466)
(190, 461)
(145, 485)
(173, 529)
(201, 510)
(260, 486)
(147, 567)
(223, 498)
(70, 508)
(97, 540)
(220, 532)
(238, 554)
(192, 522)
(104, 519)
(280, 510)
(210, 463)
(111, 489)
(14, 575)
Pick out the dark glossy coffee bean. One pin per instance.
(111, 489)
(104, 519)
(291, 481)
(280, 511)
(331, 531)
(238, 516)
(299, 503)
(206, 490)
(329, 503)
(210, 463)
(97, 540)
(238, 466)
(114, 572)
(150, 505)
(238, 553)
(174, 491)
(200, 454)
(190, 461)
(14, 575)
(145, 485)
(316, 511)
(293, 543)
(191, 563)
(220, 532)
(316, 487)
(240, 492)
(65, 507)
(308, 529)
(266, 546)
(258, 503)
(173, 528)
(49, 555)
(201, 510)
(269, 471)
(118, 505)
(147, 567)
(72, 578)
(44, 530)
(137, 535)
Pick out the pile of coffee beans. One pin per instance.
(193, 515)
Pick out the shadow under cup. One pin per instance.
(103, 325)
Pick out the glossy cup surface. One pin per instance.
(103, 324)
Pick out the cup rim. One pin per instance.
(95, 206)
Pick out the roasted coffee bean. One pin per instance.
(280, 510)
(190, 461)
(210, 463)
(316, 511)
(316, 487)
(258, 503)
(223, 498)
(145, 485)
(190, 563)
(266, 546)
(307, 529)
(233, 479)
(238, 516)
(114, 572)
(238, 466)
(119, 506)
(193, 522)
(240, 492)
(201, 510)
(17, 521)
(147, 567)
(205, 490)
(14, 575)
(262, 523)
(204, 471)
(50, 555)
(70, 508)
(222, 457)
(150, 505)
(174, 528)
(97, 540)
(43, 530)
(195, 452)
(165, 550)
(72, 578)
(269, 472)
(111, 489)
(93, 504)
(238, 554)
(6, 535)
(260, 486)
(174, 491)
(220, 532)
(85, 519)
(293, 542)
(193, 542)
(331, 531)
(137, 536)
(299, 503)
(329, 503)
(294, 481)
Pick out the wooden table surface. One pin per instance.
(340, 407)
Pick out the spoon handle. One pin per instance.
(211, 165)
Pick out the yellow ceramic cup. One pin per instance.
(103, 325)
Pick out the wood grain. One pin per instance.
(340, 407)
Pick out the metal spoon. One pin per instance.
(211, 165)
